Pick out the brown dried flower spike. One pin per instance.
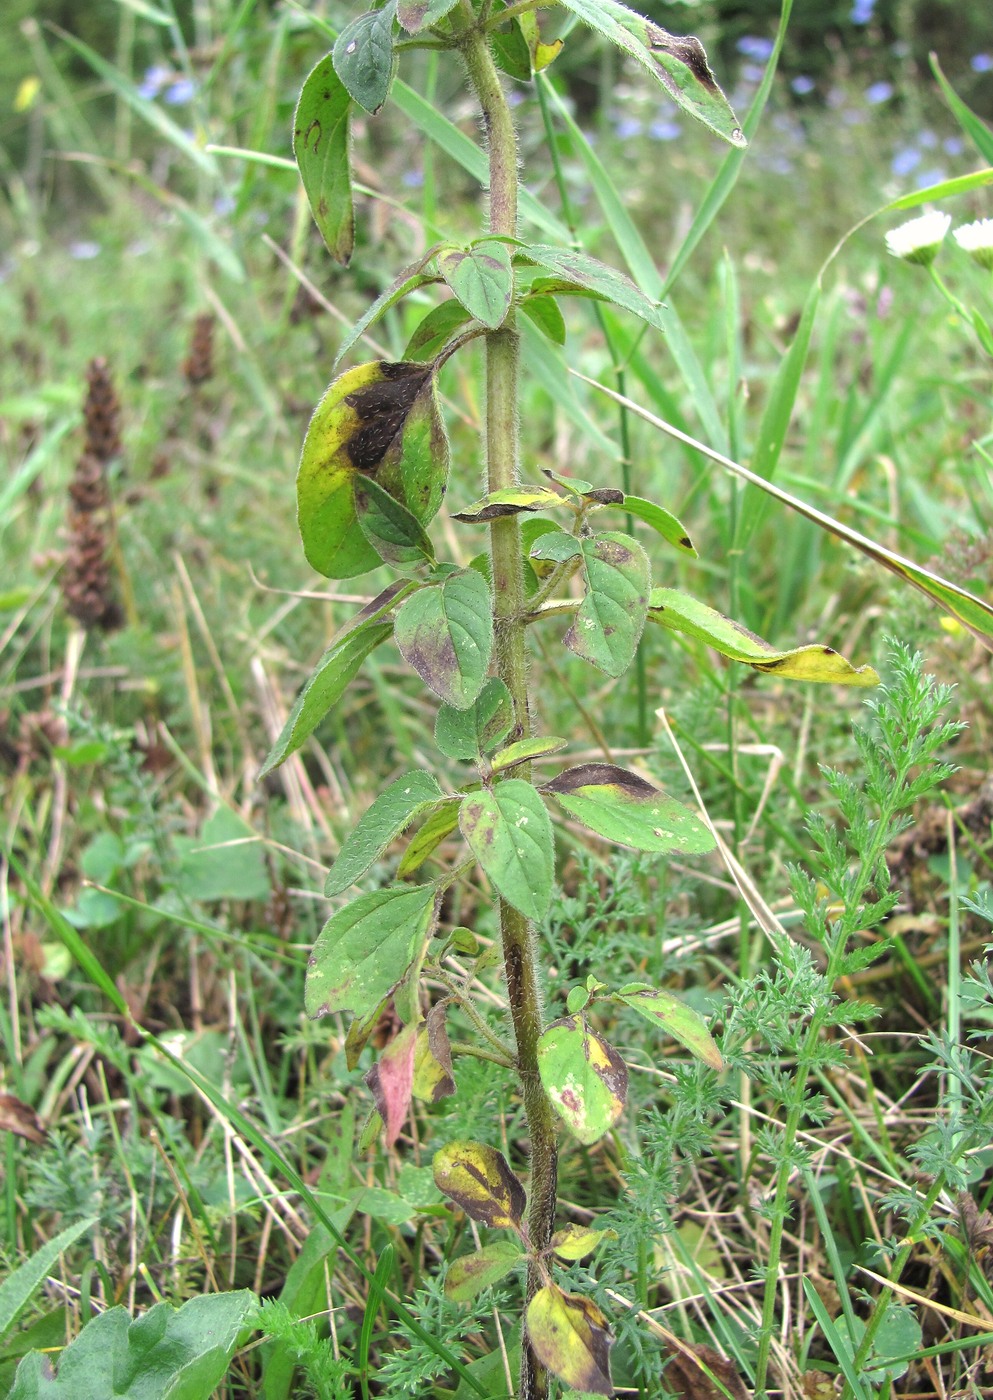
(87, 581)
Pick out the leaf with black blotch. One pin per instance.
(623, 807)
(364, 59)
(510, 500)
(572, 1338)
(480, 1181)
(584, 1077)
(320, 145)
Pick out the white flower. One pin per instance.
(919, 240)
(977, 240)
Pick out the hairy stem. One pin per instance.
(509, 609)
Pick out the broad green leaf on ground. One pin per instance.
(597, 277)
(622, 807)
(467, 734)
(320, 144)
(681, 613)
(680, 65)
(480, 1181)
(973, 613)
(226, 861)
(395, 534)
(660, 520)
(426, 840)
(572, 1338)
(675, 1017)
(611, 617)
(365, 949)
(330, 679)
(468, 1276)
(434, 1078)
(165, 1354)
(436, 330)
(376, 420)
(509, 833)
(391, 1081)
(407, 281)
(19, 1285)
(364, 59)
(585, 1078)
(512, 500)
(545, 313)
(574, 1242)
(420, 14)
(894, 1346)
(408, 797)
(524, 750)
(482, 278)
(445, 633)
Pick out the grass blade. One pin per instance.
(17, 1288)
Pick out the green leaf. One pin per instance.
(379, 419)
(974, 127)
(320, 144)
(390, 814)
(19, 1285)
(364, 59)
(511, 52)
(446, 634)
(680, 65)
(526, 749)
(482, 278)
(468, 1276)
(408, 281)
(436, 330)
(336, 668)
(660, 520)
(480, 1182)
(363, 952)
(596, 277)
(611, 617)
(572, 1338)
(467, 734)
(509, 833)
(165, 1354)
(544, 311)
(394, 533)
(574, 1242)
(674, 1016)
(894, 1346)
(681, 613)
(439, 825)
(585, 1078)
(622, 807)
(225, 862)
(511, 500)
(420, 14)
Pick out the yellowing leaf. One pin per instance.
(585, 1078)
(570, 1335)
(479, 1180)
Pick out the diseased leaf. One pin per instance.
(675, 1017)
(622, 807)
(434, 1078)
(467, 734)
(482, 278)
(609, 623)
(661, 520)
(512, 500)
(440, 824)
(468, 1276)
(596, 277)
(480, 1182)
(358, 1036)
(364, 950)
(538, 746)
(552, 548)
(542, 54)
(379, 420)
(394, 533)
(680, 65)
(681, 613)
(320, 145)
(364, 59)
(509, 833)
(570, 1335)
(392, 812)
(391, 1081)
(585, 1078)
(574, 1242)
(420, 14)
(447, 636)
(325, 688)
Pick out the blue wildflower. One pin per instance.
(665, 129)
(753, 47)
(878, 92)
(905, 161)
(801, 84)
(183, 90)
(981, 62)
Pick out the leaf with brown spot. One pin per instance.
(675, 1017)
(320, 144)
(480, 1181)
(572, 1338)
(445, 633)
(391, 1081)
(468, 1276)
(608, 626)
(622, 807)
(512, 500)
(509, 832)
(434, 1078)
(585, 1078)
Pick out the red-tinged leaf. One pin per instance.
(391, 1080)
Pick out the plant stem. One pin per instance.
(509, 609)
